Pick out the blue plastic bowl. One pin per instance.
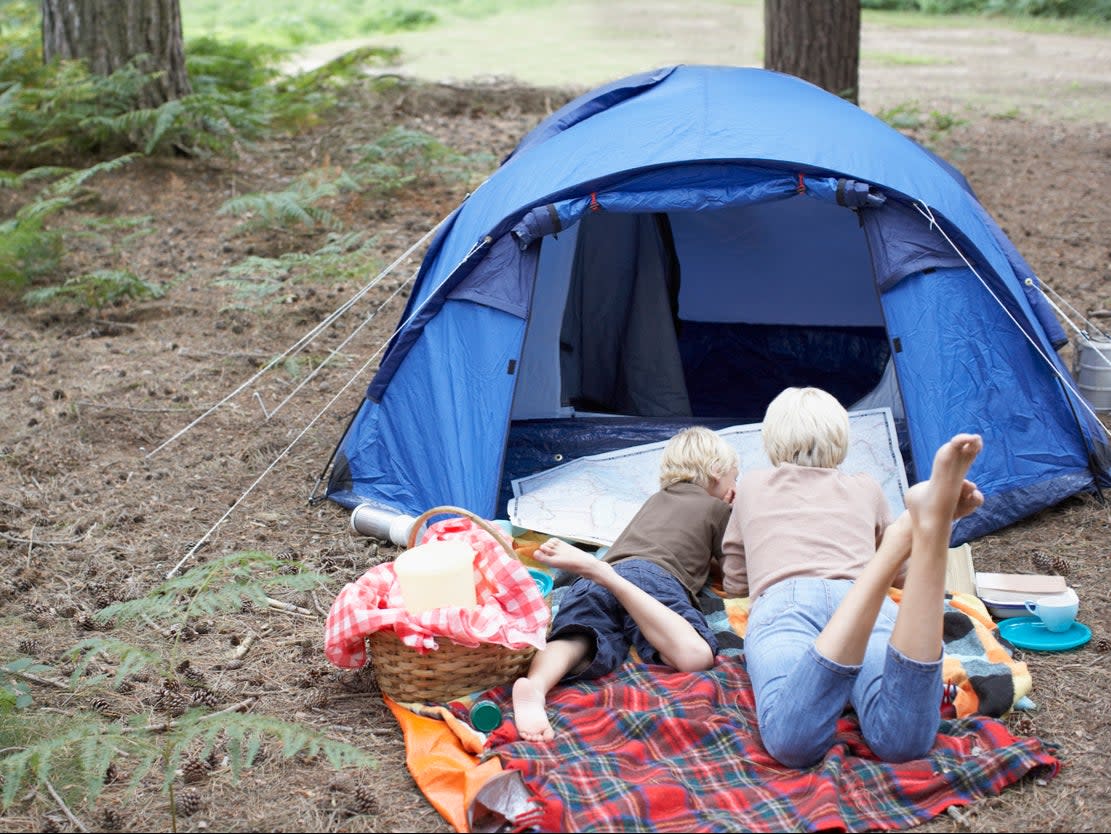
(543, 581)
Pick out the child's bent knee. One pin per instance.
(695, 657)
(793, 741)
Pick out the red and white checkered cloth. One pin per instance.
(511, 611)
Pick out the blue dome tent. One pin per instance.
(678, 246)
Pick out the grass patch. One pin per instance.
(1018, 23)
(294, 23)
(898, 59)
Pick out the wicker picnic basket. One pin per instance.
(451, 671)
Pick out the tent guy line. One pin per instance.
(306, 340)
(354, 376)
(1068, 383)
(303, 342)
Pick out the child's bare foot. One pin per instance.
(559, 554)
(935, 503)
(530, 714)
(970, 500)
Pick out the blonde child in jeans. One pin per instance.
(644, 591)
(814, 549)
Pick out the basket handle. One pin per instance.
(499, 535)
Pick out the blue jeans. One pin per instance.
(588, 608)
(800, 694)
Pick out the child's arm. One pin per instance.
(734, 567)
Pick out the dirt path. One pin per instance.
(977, 67)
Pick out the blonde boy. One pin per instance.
(815, 550)
(644, 591)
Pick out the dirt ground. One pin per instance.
(95, 506)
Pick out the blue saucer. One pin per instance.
(1029, 633)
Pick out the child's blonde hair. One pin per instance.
(806, 426)
(696, 455)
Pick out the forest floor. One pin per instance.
(96, 506)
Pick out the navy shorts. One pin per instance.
(588, 608)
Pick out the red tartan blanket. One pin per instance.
(650, 749)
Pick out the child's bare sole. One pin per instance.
(947, 496)
(559, 554)
(530, 713)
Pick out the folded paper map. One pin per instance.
(591, 499)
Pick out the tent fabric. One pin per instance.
(732, 205)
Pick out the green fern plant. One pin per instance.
(401, 157)
(223, 584)
(28, 248)
(88, 743)
(298, 205)
(345, 255)
(92, 743)
(15, 691)
(95, 290)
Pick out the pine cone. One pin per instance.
(1042, 561)
(111, 820)
(194, 770)
(87, 622)
(188, 802)
(29, 646)
(193, 677)
(41, 615)
(106, 708)
(173, 703)
(364, 800)
(186, 632)
(1024, 725)
(1061, 565)
(1103, 645)
(49, 825)
(205, 697)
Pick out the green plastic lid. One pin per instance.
(485, 716)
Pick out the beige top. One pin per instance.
(680, 529)
(801, 521)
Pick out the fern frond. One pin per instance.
(249, 729)
(10, 179)
(88, 745)
(95, 758)
(78, 178)
(216, 586)
(95, 289)
(168, 116)
(38, 210)
(14, 690)
(131, 657)
(296, 205)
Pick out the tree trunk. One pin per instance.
(817, 40)
(107, 34)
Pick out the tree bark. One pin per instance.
(817, 40)
(107, 34)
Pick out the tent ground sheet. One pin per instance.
(647, 748)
